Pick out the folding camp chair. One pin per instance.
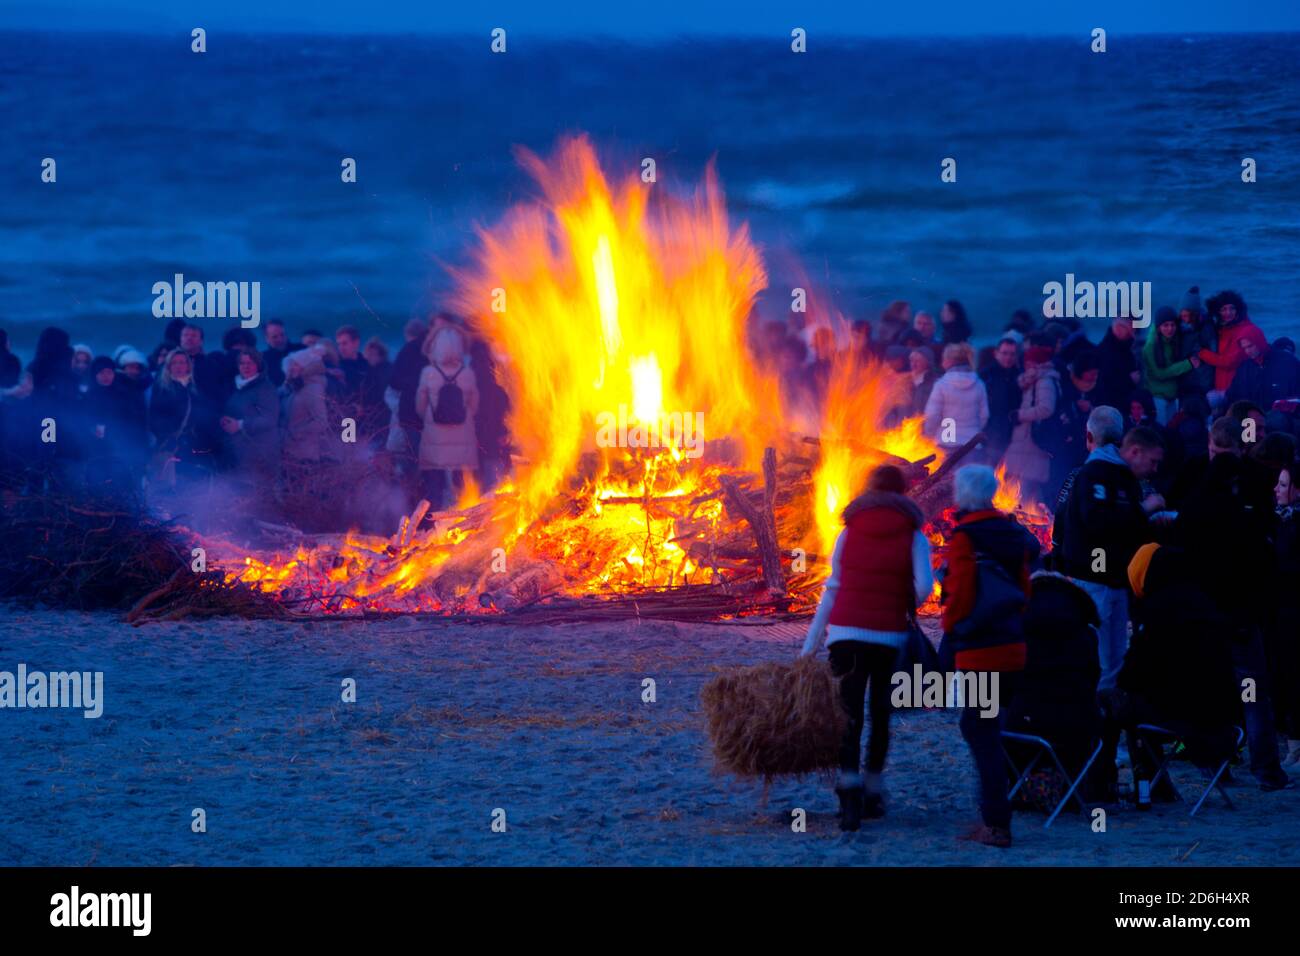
(1157, 751)
(1044, 749)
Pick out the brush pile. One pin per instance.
(108, 554)
(775, 719)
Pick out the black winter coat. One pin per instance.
(255, 448)
(1118, 360)
(1057, 698)
(1278, 377)
(1180, 658)
(1104, 511)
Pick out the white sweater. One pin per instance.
(922, 582)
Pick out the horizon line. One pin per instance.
(657, 37)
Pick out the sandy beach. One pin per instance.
(245, 720)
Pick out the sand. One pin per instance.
(245, 720)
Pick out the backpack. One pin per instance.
(999, 600)
(450, 408)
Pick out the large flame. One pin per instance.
(618, 314)
(599, 303)
(859, 397)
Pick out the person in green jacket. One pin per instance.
(1164, 363)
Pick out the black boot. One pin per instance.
(851, 799)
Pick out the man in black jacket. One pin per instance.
(1001, 382)
(1104, 521)
(1118, 361)
(277, 347)
(1226, 523)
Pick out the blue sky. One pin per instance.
(657, 18)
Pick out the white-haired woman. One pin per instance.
(989, 559)
(958, 406)
(446, 401)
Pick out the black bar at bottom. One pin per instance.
(215, 905)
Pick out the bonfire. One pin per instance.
(656, 471)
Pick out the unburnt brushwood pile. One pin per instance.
(109, 554)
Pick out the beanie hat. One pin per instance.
(80, 347)
(101, 363)
(1012, 335)
(1166, 314)
(1191, 301)
(1138, 567)
(1038, 354)
(128, 355)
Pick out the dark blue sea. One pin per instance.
(1122, 166)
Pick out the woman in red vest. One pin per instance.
(880, 572)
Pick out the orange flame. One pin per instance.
(618, 314)
(599, 300)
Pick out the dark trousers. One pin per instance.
(1261, 734)
(856, 663)
(984, 737)
(1282, 647)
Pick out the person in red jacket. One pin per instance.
(983, 628)
(880, 573)
(1230, 318)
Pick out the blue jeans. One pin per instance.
(1112, 635)
(1165, 409)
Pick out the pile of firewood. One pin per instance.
(454, 563)
(94, 553)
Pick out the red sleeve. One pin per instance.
(1231, 354)
(959, 585)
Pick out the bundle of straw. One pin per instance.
(774, 719)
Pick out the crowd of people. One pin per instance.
(1167, 595)
(123, 423)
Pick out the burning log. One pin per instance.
(761, 522)
(950, 463)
